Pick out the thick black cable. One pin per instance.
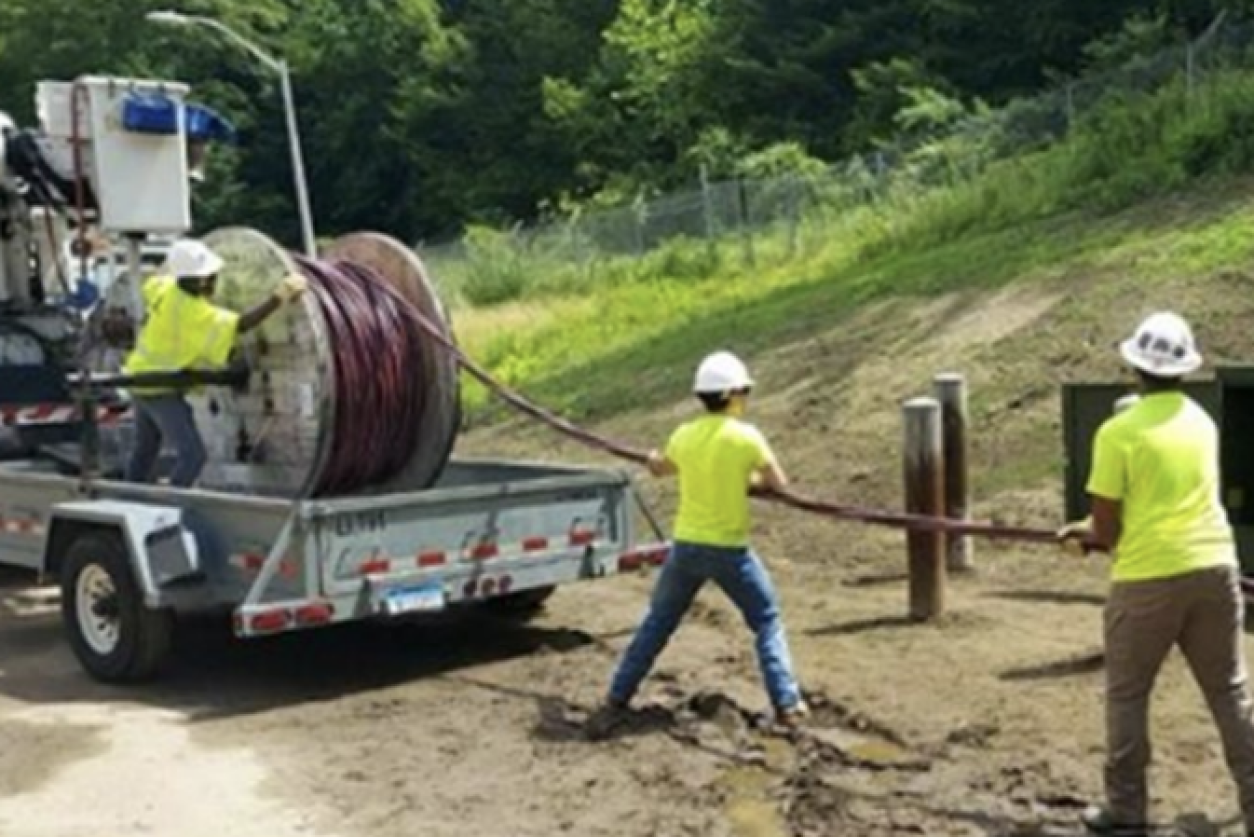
(377, 352)
(787, 497)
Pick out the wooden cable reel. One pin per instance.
(275, 438)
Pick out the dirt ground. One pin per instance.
(988, 722)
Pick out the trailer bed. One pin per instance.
(488, 531)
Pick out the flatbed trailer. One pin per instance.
(131, 559)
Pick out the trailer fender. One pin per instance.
(161, 548)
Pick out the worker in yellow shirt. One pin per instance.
(184, 331)
(1154, 487)
(717, 458)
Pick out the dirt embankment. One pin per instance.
(985, 723)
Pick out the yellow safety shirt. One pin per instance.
(1160, 459)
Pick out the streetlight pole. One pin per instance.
(308, 241)
(298, 164)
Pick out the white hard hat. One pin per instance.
(192, 259)
(1163, 346)
(721, 372)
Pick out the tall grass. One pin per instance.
(1131, 148)
(624, 335)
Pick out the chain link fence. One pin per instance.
(747, 221)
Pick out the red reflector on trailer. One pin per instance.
(650, 555)
(253, 562)
(484, 551)
(535, 544)
(431, 559)
(375, 566)
(582, 537)
(315, 613)
(274, 620)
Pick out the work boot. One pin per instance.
(606, 720)
(794, 716)
(1099, 820)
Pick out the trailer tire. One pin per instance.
(115, 637)
(521, 605)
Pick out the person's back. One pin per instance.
(1156, 506)
(1161, 459)
(716, 456)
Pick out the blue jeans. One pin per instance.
(167, 417)
(741, 576)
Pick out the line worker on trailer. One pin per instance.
(1155, 500)
(717, 457)
(184, 331)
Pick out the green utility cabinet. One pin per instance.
(1228, 397)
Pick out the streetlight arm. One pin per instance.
(289, 106)
(239, 40)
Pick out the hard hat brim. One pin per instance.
(709, 390)
(1191, 362)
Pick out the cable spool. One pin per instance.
(348, 395)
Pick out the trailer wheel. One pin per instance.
(521, 605)
(115, 637)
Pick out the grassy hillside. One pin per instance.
(1022, 278)
(1148, 187)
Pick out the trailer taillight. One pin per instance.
(375, 566)
(431, 559)
(582, 537)
(651, 555)
(270, 621)
(314, 613)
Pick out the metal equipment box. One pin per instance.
(1228, 397)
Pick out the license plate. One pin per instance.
(417, 599)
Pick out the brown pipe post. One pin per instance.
(951, 391)
(925, 494)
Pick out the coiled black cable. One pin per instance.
(379, 390)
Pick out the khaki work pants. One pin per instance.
(1202, 613)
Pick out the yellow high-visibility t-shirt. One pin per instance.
(182, 331)
(1160, 459)
(716, 456)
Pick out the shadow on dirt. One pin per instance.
(876, 580)
(862, 626)
(1072, 667)
(213, 675)
(1061, 597)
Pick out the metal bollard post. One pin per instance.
(925, 494)
(951, 391)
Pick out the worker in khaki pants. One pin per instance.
(1154, 486)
